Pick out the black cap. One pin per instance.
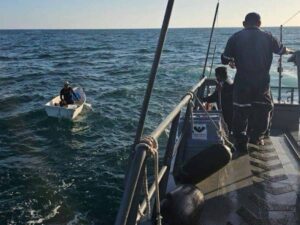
(221, 71)
(252, 18)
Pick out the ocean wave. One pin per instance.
(16, 119)
(73, 63)
(11, 102)
(116, 93)
(102, 55)
(144, 51)
(7, 80)
(45, 56)
(7, 58)
(89, 48)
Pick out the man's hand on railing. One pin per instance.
(295, 58)
(289, 51)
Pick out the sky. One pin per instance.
(104, 14)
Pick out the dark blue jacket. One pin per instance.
(252, 51)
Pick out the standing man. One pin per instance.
(250, 51)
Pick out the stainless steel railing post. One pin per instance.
(133, 177)
(280, 70)
(298, 73)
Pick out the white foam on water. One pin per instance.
(53, 213)
(78, 219)
(89, 106)
(66, 185)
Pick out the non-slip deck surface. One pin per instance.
(257, 188)
(296, 136)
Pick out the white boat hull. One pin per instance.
(70, 111)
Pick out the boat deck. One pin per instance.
(295, 135)
(258, 188)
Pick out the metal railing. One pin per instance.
(289, 95)
(131, 199)
(132, 207)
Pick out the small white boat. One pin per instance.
(69, 111)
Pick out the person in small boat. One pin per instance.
(223, 95)
(250, 51)
(66, 94)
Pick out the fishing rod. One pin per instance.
(210, 39)
(212, 61)
(280, 69)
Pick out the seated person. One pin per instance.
(66, 94)
(223, 95)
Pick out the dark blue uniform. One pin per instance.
(252, 51)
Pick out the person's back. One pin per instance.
(250, 52)
(66, 94)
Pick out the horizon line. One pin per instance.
(137, 28)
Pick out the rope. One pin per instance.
(146, 192)
(140, 211)
(151, 145)
(156, 164)
(189, 93)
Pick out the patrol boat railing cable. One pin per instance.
(210, 39)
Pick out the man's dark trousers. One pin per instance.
(251, 98)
